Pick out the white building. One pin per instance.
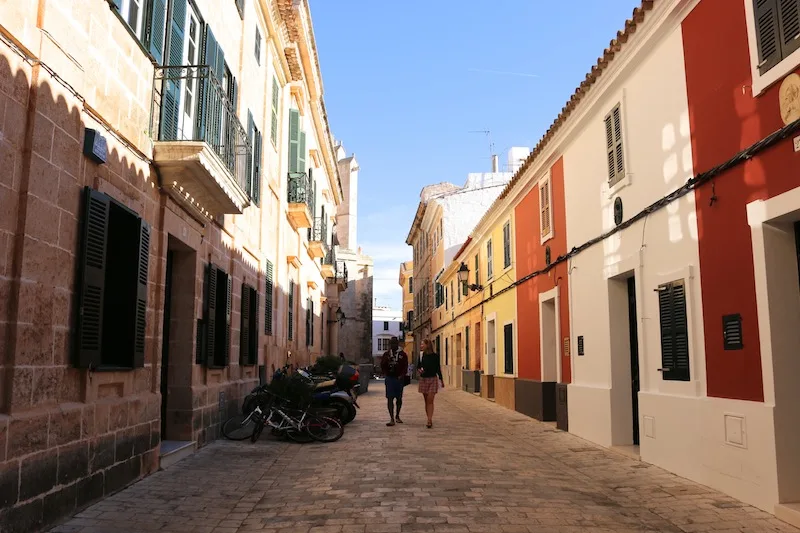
(386, 323)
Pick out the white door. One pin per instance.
(191, 56)
(491, 344)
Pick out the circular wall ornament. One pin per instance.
(617, 210)
(789, 98)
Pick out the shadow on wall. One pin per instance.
(69, 436)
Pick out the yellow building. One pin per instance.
(406, 281)
(476, 318)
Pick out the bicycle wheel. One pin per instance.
(323, 429)
(299, 436)
(238, 427)
(259, 427)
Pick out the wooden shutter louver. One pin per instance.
(291, 310)
(140, 329)
(211, 314)
(154, 39)
(268, 296)
(789, 16)
(614, 148)
(732, 332)
(294, 140)
(170, 106)
(508, 348)
(93, 274)
(301, 154)
(274, 122)
(251, 126)
(674, 331)
(257, 143)
(244, 334)
(228, 301)
(767, 34)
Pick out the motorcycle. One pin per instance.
(338, 394)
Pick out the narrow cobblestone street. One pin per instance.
(482, 468)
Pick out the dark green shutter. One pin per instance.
(767, 34)
(466, 347)
(253, 326)
(268, 295)
(614, 151)
(244, 334)
(294, 140)
(308, 322)
(251, 126)
(211, 314)
(117, 4)
(291, 310)
(301, 153)
(141, 295)
(508, 348)
(154, 38)
(674, 331)
(210, 113)
(170, 106)
(312, 322)
(92, 279)
(257, 144)
(274, 125)
(789, 16)
(228, 301)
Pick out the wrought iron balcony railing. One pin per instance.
(330, 257)
(299, 188)
(319, 231)
(190, 104)
(341, 271)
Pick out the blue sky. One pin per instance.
(407, 81)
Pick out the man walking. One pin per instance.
(394, 365)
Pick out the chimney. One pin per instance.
(495, 164)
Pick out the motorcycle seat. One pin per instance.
(329, 383)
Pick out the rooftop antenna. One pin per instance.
(488, 138)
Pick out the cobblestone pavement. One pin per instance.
(482, 468)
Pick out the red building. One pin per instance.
(744, 96)
(542, 300)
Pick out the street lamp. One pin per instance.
(340, 317)
(463, 277)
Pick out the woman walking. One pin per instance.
(430, 377)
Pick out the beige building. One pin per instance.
(406, 282)
(164, 237)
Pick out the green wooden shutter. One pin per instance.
(508, 348)
(92, 279)
(614, 150)
(251, 126)
(674, 331)
(253, 326)
(117, 4)
(301, 153)
(211, 314)
(170, 105)
(268, 295)
(244, 334)
(291, 310)
(789, 16)
(767, 34)
(274, 125)
(228, 302)
(466, 347)
(312, 322)
(294, 140)
(308, 322)
(257, 146)
(141, 295)
(154, 38)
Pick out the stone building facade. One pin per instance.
(164, 232)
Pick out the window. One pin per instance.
(507, 245)
(466, 347)
(463, 289)
(147, 21)
(217, 318)
(777, 25)
(508, 347)
(240, 7)
(446, 299)
(674, 331)
(477, 269)
(385, 326)
(309, 322)
(274, 125)
(452, 302)
(297, 143)
(616, 161)
(269, 287)
(383, 344)
(446, 351)
(411, 285)
(113, 277)
(253, 184)
(489, 261)
(438, 344)
(258, 46)
(290, 317)
(409, 320)
(248, 335)
(545, 213)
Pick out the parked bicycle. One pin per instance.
(297, 424)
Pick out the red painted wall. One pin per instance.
(530, 258)
(725, 118)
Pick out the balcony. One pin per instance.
(199, 146)
(316, 240)
(341, 275)
(329, 265)
(299, 200)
